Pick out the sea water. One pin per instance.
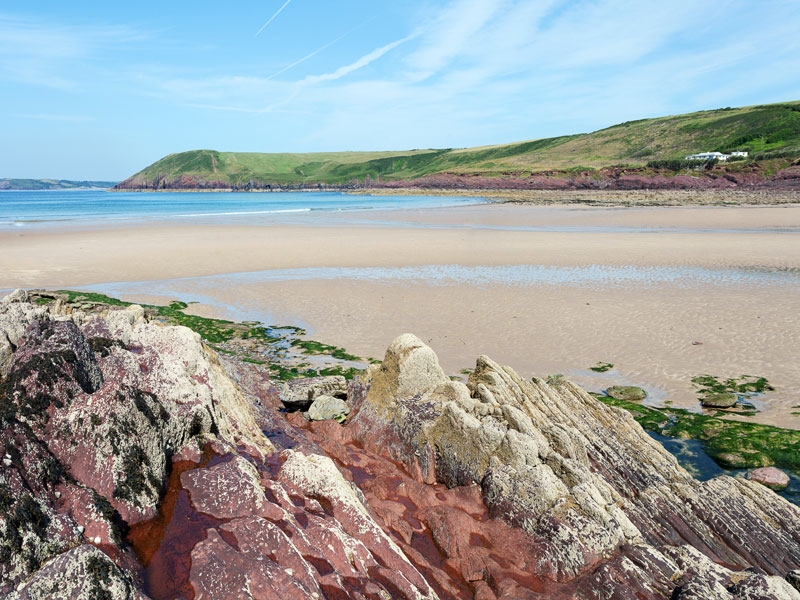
(91, 207)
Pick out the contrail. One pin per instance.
(272, 18)
(360, 63)
(307, 56)
(318, 50)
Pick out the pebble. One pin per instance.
(57, 494)
(81, 529)
(97, 539)
(7, 462)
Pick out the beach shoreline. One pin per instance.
(608, 198)
(326, 282)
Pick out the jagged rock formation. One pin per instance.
(138, 464)
(602, 504)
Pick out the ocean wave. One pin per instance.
(254, 212)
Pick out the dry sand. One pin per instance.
(646, 329)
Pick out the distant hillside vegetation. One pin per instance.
(53, 184)
(766, 131)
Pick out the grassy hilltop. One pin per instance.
(764, 131)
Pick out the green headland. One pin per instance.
(770, 134)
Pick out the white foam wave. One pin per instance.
(254, 212)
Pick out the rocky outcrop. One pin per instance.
(91, 412)
(588, 487)
(298, 394)
(138, 464)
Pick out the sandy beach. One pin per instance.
(663, 293)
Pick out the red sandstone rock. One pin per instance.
(516, 507)
(770, 477)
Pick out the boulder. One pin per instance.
(719, 400)
(327, 407)
(16, 296)
(630, 393)
(770, 477)
(298, 394)
(91, 408)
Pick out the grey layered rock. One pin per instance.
(582, 479)
(328, 407)
(298, 394)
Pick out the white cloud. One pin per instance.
(449, 33)
(34, 52)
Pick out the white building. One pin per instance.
(714, 155)
(708, 156)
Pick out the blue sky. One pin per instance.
(98, 90)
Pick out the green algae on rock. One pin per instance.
(630, 393)
(732, 444)
(719, 400)
(249, 341)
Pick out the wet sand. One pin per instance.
(646, 326)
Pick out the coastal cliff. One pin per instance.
(140, 463)
(643, 154)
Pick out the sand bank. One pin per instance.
(646, 326)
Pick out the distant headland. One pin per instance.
(643, 154)
(54, 184)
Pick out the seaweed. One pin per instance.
(602, 367)
(140, 401)
(730, 443)
(746, 384)
(27, 515)
(132, 481)
(99, 571)
(313, 347)
(103, 346)
(219, 332)
(6, 498)
(119, 528)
